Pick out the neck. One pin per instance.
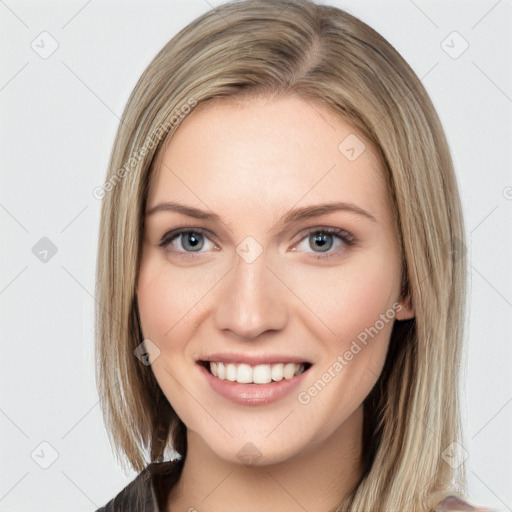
(318, 478)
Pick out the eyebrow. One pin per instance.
(293, 215)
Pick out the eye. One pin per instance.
(325, 242)
(324, 239)
(186, 242)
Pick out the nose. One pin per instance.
(251, 301)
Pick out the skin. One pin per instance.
(250, 162)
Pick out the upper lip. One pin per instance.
(253, 360)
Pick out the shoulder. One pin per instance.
(148, 491)
(452, 503)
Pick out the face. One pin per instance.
(270, 276)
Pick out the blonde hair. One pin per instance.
(327, 56)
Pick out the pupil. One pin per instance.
(193, 241)
(319, 239)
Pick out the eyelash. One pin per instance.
(347, 238)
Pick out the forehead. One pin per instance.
(245, 156)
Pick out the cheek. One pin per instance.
(167, 296)
(349, 300)
(154, 300)
(356, 303)
(359, 309)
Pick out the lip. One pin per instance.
(252, 360)
(252, 394)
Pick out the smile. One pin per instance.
(257, 374)
(257, 384)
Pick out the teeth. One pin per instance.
(277, 372)
(262, 374)
(289, 370)
(231, 372)
(244, 374)
(259, 374)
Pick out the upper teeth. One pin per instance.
(259, 374)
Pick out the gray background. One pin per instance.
(59, 117)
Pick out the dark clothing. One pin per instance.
(149, 491)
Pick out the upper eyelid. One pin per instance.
(175, 233)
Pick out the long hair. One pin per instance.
(330, 58)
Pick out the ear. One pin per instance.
(405, 309)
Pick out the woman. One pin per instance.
(282, 251)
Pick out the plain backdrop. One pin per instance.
(67, 71)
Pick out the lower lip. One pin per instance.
(252, 394)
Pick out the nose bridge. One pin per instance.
(251, 301)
